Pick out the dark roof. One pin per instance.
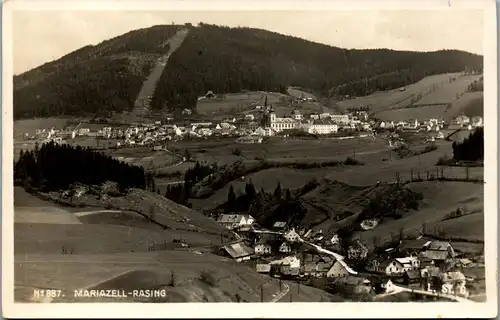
(351, 280)
(413, 244)
(439, 245)
(413, 274)
(436, 255)
(323, 121)
(238, 250)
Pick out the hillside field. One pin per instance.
(109, 249)
(435, 206)
(395, 98)
(234, 103)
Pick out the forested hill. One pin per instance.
(92, 79)
(108, 76)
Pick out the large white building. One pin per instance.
(280, 124)
(321, 127)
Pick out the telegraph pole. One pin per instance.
(262, 293)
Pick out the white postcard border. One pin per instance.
(252, 310)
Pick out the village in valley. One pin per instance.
(252, 127)
(420, 265)
(204, 170)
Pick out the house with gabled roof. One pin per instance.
(239, 251)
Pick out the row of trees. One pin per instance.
(471, 148)
(476, 86)
(55, 167)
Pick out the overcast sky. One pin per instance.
(42, 36)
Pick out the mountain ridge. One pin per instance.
(107, 77)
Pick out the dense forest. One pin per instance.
(56, 167)
(107, 77)
(472, 148)
(94, 79)
(225, 59)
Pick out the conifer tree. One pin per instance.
(231, 196)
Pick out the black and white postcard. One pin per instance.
(249, 159)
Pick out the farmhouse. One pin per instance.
(355, 284)
(357, 250)
(239, 251)
(292, 235)
(439, 251)
(263, 249)
(401, 265)
(297, 115)
(413, 247)
(263, 267)
(462, 120)
(232, 221)
(264, 132)
(337, 270)
(279, 225)
(285, 247)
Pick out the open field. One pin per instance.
(233, 103)
(277, 149)
(146, 157)
(21, 127)
(396, 98)
(421, 113)
(154, 270)
(106, 254)
(434, 105)
(469, 227)
(297, 93)
(449, 91)
(380, 165)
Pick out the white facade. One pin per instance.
(337, 270)
(401, 265)
(263, 249)
(280, 124)
(285, 247)
(325, 127)
(292, 236)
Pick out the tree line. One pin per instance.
(56, 167)
(223, 59)
(471, 148)
(107, 77)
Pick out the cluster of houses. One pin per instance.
(433, 125)
(249, 128)
(289, 253)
